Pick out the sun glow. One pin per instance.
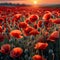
(35, 2)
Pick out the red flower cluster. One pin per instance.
(17, 17)
(5, 49)
(40, 23)
(16, 52)
(16, 33)
(37, 57)
(41, 45)
(57, 21)
(32, 25)
(27, 31)
(33, 18)
(47, 16)
(54, 36)
(23, 25)
(34, 32)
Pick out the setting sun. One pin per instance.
(35, 2)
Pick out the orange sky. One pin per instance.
(31, 1)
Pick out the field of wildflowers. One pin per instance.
(29, 33)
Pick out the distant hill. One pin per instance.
(54, 5)
(10, 4)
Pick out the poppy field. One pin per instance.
(29, 33)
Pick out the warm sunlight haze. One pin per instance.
(44, 2)
(35, 2)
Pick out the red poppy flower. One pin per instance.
(1, 38)
(34, 32)
(57, 21)
(47, 16)
(5, 49)
(23, 25)
(17, 16)
(41, 45)
(40, 23)
(33, 18)
(54, 36)
(16, 52)
(37, 57)
(27, 30)
(16, 33)
(48, 23)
